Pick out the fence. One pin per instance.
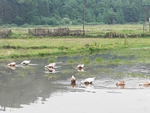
(54, 32)
(5, 33)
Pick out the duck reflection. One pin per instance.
(121, 86)
(80, 70)
(12, 67)
(73, 85)
(50, 77)
(88, 85)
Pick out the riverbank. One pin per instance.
(37, 47)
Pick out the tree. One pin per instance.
(111, 17)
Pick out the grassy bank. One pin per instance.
(36, 47)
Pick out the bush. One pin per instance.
(25, 25)
(49, 21)
(66, 21)
(18, 20)
(75, 23)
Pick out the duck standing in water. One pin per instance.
(80, 66)
(12, 64)
(121, 84)
(88, 81)
(26, 62)
(73, 80)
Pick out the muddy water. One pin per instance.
(33, 89)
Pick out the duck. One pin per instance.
(144, 84)
(121, 83)
(12, 64)
(51, 65)
(26, 62)
(73, 80)
(50, 69)
(80, 66)
(88, 81)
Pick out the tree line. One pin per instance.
(59, 12)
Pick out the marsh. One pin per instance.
(30, 88)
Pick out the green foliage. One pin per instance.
(99, 60)
(18, 20)
(56, 12)
(71, 61)
(86, 60)
(51, 60)
(116, 61)
(111, 18)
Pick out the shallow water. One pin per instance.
(33, 89)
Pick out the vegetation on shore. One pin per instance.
(20, 44)
(15, 48)
(92, 31)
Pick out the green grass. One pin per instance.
(99, 60)
(95, 31)
(20, 44)
(51, 60)
(71, 61)
(14, 48)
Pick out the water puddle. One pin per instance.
(31, 88)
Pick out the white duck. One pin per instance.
(51, 65)
(88, 81)
(12, 64)
(26, 62)
(80, 66)
(73, 80)
(144, 84)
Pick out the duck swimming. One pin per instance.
(88, 81)
(80, 66)
(73, 80)
(12, 64)
(26, 62)
(50, 69)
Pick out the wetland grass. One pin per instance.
(14, 48)
(71, 61)
(99, 60)
(28, 46)
(51, 60)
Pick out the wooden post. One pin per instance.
(146, 18)
(149, 18)
(144, 21)
(84, 16)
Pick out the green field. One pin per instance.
(98, 31)
(27, 46)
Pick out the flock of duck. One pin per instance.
(80, 67)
